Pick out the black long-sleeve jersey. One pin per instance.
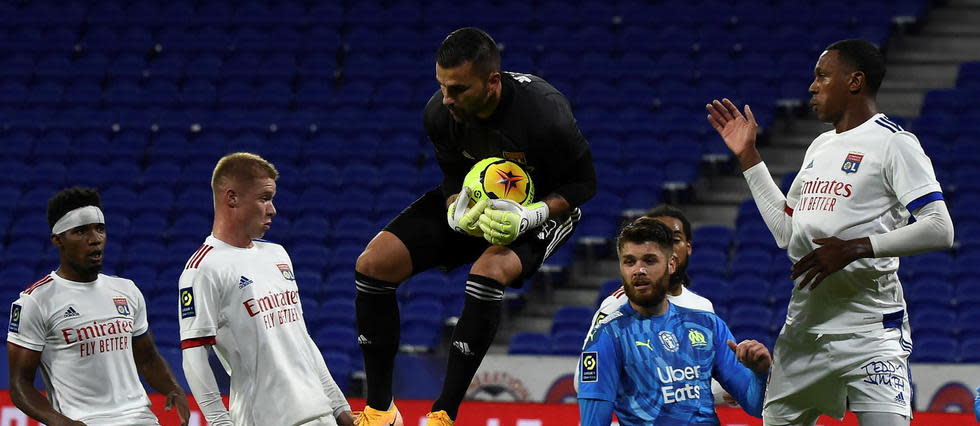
(533, 125)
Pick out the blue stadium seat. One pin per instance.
(567, 343)
(749, 291)
(969, 350)
(341, 366)
(934, 349)
(338, 313)
(530, 344)
(607, 288)
(708, 263)
(715, 290)
(931, 323)
(338, 338)
(429, 285)
(750, 316)
(714, 237)
(572, 318)
(750, 263)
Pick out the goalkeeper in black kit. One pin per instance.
(478, 113)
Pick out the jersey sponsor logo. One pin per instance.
(275, 308)
(122, 305)
(672, 378)
(286, 271)
(885, 373)
(14, 326)
(71, 312)
(590, 367)
(244, 282)
(100, 337)
(187, 302)
(697, 338)
(669, 341)
(852, 162)
(644, 344)
(822, 195)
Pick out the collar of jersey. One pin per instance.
(628, 310)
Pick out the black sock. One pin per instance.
(378, 334)
(472, 337)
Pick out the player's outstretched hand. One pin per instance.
(179, 400)
(753, 355)
(737, 130)
(832, 255)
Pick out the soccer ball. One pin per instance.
(499, 179)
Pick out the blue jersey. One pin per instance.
(657, 370)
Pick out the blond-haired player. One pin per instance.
(238, 295)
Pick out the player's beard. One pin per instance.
(651, 298)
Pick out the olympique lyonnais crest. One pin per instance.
(286, 271)
(852, 162)
(122, 305)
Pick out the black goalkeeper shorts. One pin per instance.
(431, 243)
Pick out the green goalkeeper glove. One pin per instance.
(505, 220)
(462, 219)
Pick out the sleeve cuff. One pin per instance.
(24, 344)
(756, 170)
(597, 396)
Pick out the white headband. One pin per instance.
(78, 217)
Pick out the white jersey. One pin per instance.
(612, 303)
(245, 302)
(85, 332)
(853, 184)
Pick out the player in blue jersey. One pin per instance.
(651, 361)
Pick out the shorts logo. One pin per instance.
(286, 271)
(14, 326)
(697, 338)
(590, 367)
(852, 162)
(669, 340)
(122, 305)
(187, 302)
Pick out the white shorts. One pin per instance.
(814, 374)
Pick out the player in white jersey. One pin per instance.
(86, 331)
(845, 221)
(239, 295)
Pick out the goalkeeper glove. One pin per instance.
(505, 220)
(462, 219)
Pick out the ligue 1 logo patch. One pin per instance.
(852, 162)
(590, 367)
(14, 326)
(286, 271)
(187, 302)
(122, 305)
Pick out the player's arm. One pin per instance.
(23, 365)
(341, 409)
(739, 133)
(158, 375)
(908, 173)
(599, 368)
(595, 412)
(741, 369)
(25, 340)
(199, 300)
(203, 385)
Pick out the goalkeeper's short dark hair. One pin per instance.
(469, 44)
(70, 199)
